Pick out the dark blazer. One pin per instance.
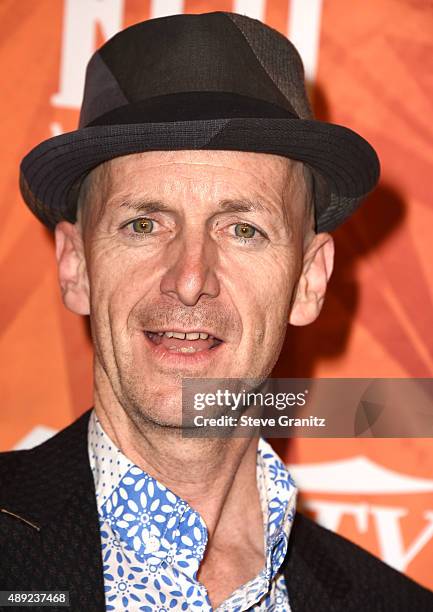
(51, 487)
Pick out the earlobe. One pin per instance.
(71, 266)
(316, 272)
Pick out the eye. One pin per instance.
(244, 230)
(142, 225)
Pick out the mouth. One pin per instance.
(184, 342)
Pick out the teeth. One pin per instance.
(183, 336)
(178, 335)
(184, 349)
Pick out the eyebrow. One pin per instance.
(227, 205)
(243, 205)
(146, 206)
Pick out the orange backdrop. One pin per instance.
(370, 67)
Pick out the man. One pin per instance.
(191, 213)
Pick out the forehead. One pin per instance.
(221, 170)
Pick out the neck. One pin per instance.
(216, 476)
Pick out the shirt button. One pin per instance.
(152, 545)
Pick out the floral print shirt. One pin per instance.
(153, 542)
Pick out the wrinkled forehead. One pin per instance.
(210, 175)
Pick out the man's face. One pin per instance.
(208, 243)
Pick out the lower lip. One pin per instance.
(177, 358)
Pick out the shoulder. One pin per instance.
(10, 464)
(33, 469)
(352, 573)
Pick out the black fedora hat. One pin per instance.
(219, 81)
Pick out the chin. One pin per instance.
(162, 408)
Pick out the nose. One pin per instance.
(191, 268)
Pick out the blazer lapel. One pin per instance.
(315, 581)
(60, 548)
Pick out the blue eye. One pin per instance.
(244, 230)
(142, 226)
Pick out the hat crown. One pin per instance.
(216, 52)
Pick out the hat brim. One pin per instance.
(348, 165)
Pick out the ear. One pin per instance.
(316, 271)
(71, 266)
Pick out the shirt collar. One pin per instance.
(158, 526)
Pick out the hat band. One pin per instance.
(190, 106)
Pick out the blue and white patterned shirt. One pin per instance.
(153, 541)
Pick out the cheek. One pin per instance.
(118, 278)
(263, 296)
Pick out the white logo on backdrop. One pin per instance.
(36, 436)
(359, 475)
(80, 19)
